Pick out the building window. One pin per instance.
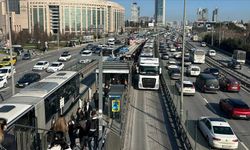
(73, 19)
(84, 20)
(78, 19)
(89, 17)
(66, 20)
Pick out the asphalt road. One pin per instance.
(220, 57)
(25, 66)
(203, 104)
(147, 123)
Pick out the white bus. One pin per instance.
(197, 56)
(41, 102)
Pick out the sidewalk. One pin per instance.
(113, 140)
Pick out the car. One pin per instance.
(40, 66)
(235, 108)
(85, 53)
(187, 61)
(65, 56)
(27, 79)
(213, 71)
(5, 72)
(188, 87)
(234, 65)
(174, 73)
(97, 50)
(6, 61)
(172, 49)
(26, 56)
(165, 56)
(89, 46)
(218, 133)
(55, 66)
(193, 70)
(3, 82)
(211, 53)
(207, 83)
(228, 83)
(203, 44)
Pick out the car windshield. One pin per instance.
(214, 70)
(175, 70)
(212, 82)
(65, 55)
(26, 76)
(223, 130)
(195, 69)
(54, 65)
(85, 53)
(188, 85)
(26, 55)
(40, 64)
(6, 59)
(3, 70)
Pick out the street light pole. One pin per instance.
(10, 45)
(182, 61)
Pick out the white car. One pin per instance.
(55, 66)
(218, 133)
(203, 44)
(193, 70)
(188, 87)
(5, 72)
(3, 82)
(85, 53)
(40, 66)
(211, 52)
(172, 49)
(65, 56)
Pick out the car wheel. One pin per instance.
(5, 85)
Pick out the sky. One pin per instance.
(228, 9)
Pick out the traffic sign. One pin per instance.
(116, 105)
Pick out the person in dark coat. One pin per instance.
(87, 109)
(93, 124)
(7, 140)
(72, 131)
(96, 99)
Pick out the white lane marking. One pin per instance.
(244, 145)
(208, 104)
(4, 89)
(35, 59)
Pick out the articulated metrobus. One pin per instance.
(41, 102)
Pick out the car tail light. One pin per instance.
(235, 140)
(216, 139)
(228, 84)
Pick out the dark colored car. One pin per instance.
(26, 56)
(234, 65)
(89, 46)
(229, 84)
(97, 50)
(27, 79)
(187, 61)
(174, 73)
(235, 108)
(165, 56)
(213, 71)
(207, 83)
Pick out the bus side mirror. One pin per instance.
(159, 70)
(137, 70)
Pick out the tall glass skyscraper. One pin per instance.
(160, 12)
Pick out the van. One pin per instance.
(207, 83)
(111, 41)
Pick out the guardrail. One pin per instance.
(175, 119)
(244, 79)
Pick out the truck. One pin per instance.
(195, 38)
(239, 56)
(148, 71)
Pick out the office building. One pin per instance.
(160, 12)
(68, 16)
(135, 12)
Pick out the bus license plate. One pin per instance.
(243, 116)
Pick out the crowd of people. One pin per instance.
(80, 132)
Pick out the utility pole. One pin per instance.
(10, 46)
(220, 35)
(182, 61)
(212, 39)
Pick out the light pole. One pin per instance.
(10, 45)
(212, 39)
(182, 61)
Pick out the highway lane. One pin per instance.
(203, 104)
(147, 123)
(220, 57)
